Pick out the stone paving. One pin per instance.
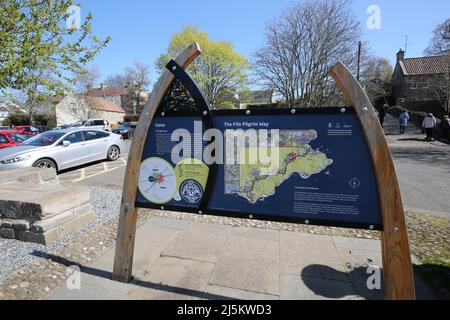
(185, 259)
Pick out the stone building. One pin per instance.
(422, 83)
(75, 107)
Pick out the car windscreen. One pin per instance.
(44, 139)
(19, 138)
(79, 124)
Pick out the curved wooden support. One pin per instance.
(123, 263)
(397, 267)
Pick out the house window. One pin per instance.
(424, 83)
(414, 83)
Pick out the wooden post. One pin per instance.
(397, 267)
(123, 262)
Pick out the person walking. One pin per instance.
(382, 114)
(445, 128)
(429, 123)
(403, 120)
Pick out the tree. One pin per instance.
(137, 80)
(301, 45)
(440, 43)
(376, 79)
(85, 79)
(37, 40)
(219, 67)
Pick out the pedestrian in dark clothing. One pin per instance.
(445, 128)
(382, 114)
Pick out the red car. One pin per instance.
(12, 139)
(32, 131)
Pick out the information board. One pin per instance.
(308, 166)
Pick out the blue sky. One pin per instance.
(141, 29)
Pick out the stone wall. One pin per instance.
(35, 208)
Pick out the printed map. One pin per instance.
(257, 181)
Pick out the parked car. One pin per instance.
(43, 129)
(4, 128)
(63, 149)
(126, 130)
(32, 131)
(12, 139)
(98, 124)
(63, 127)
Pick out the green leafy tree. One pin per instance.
(217, 70)
(36, 40)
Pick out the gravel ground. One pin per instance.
(16, 254)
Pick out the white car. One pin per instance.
(98, 124)
(63, 149)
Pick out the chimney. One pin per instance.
(400, 55)
(102, 86)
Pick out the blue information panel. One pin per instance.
(306, 167)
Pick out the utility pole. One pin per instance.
(358, 71)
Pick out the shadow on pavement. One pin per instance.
(438, 276)
(314, 278)
(431, 157)
(145, 284)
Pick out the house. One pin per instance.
(421, 84)
(7, 108)
(75, 107)
(120, 96)
(258, 97)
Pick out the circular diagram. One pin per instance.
(157, 180)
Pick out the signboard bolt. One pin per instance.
(147, 114)
(306, 221)
(365, 109)
(396, 229)
(248, 112)
(174, 68)
(293, 111)
(205, 113)
(250, 217)
(162, 208)
(200, 212)
(343, 110)
(371, 227)
(163, 114)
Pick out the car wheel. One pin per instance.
(45, 163)
(113, 153)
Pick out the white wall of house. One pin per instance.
(113, 117)
(72, 109)
(67, 111)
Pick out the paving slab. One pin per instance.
(304, 255)
(236, 294)
(174, 276)
(199, 241)
(305, 288)
(248, 264)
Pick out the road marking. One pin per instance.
(97, 174)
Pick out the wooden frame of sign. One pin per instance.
(397, 267)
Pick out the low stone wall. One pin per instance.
(35, 208)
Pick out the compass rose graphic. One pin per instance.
(355, 183)
(157, 180)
